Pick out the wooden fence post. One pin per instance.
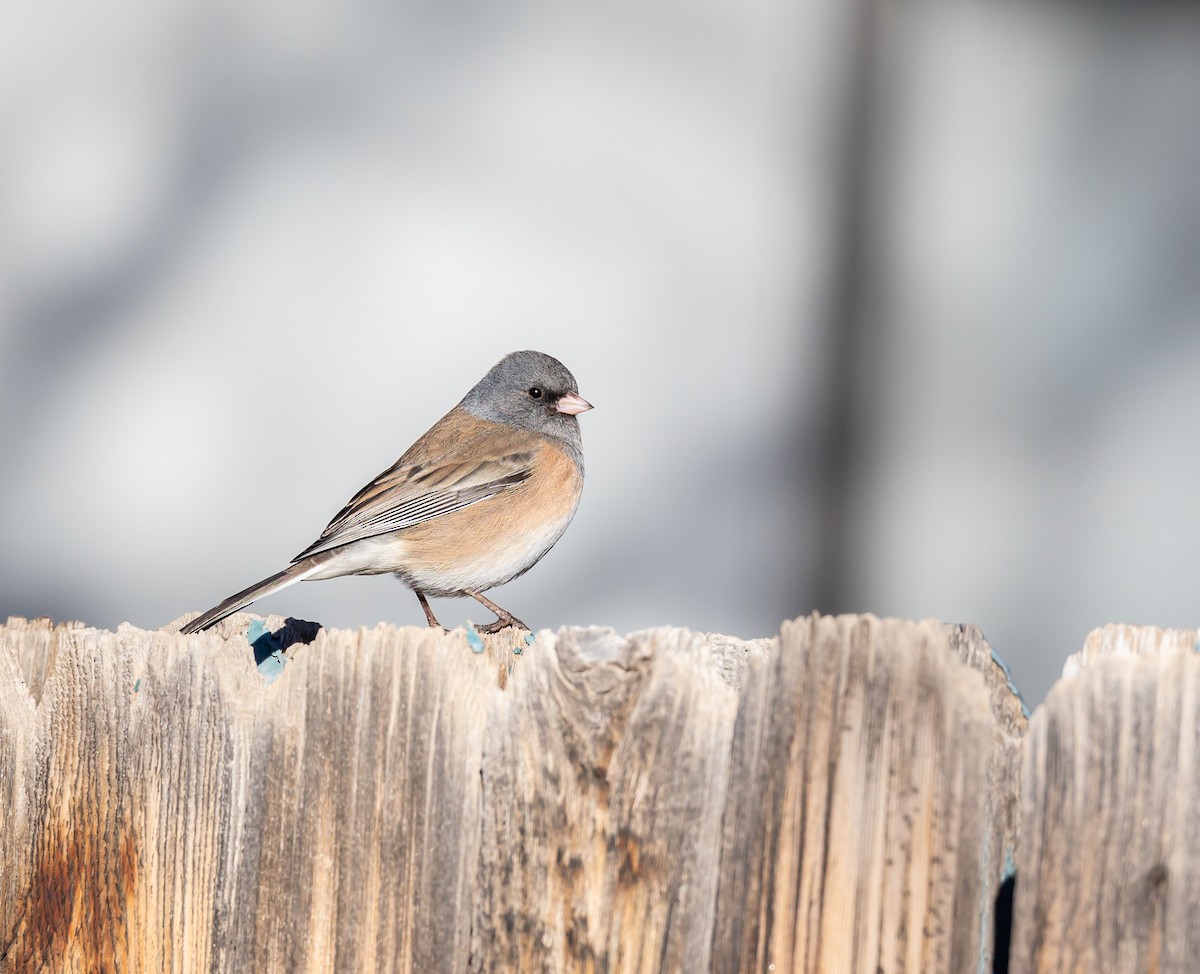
(1109, 871)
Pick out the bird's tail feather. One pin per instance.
(291, 574)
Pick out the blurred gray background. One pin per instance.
(883, 306)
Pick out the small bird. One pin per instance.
(474, 503)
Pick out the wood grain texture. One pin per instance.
(1109, 861)
(180, 816)
(1002, 802)
(852, 839)
(399, 801)
(604, 773)
(1128, 641)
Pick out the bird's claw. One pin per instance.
(509, 622)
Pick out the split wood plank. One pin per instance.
(852, 839)
(1010, 721)
(1109, 861)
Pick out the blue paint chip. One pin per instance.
(528, 639)
(257, 630)
(1012, 684)
(268, 654)
(474, 640)
(272, 667)
(137, 684)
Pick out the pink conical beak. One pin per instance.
(572, 404)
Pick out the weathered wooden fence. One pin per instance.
(853, 796)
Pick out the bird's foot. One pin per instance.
(506, 621)
(504, 618)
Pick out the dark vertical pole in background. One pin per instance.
(848, 326)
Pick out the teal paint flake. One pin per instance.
(474, 640)
(268, 654)
(272, 666)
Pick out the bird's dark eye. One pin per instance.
(535, 392)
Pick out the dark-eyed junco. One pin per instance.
(474, 503)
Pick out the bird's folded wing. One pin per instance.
(407, 494)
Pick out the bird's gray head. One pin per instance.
(531, 391)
